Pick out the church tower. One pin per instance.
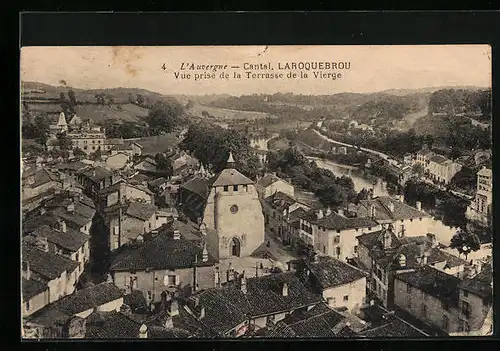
(61, 124)
(233, 209)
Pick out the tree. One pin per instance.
(79, 152)
(189, 104)
(364, 194)
(111, 99)
(72, 98)
(62, 97)
(164, 165)
(162, 118)
(63, 141)
(418, 169)
(130, 98)
(465, 242)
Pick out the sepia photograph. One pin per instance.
(262, 192)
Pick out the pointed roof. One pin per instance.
(231, 176)
(62, 120)
(75, 120)
(230, 159)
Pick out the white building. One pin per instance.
(480, 208)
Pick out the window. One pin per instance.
(338, 251)
(324, 249)
(226, 188)
(235, 188)
(336, 239)
(77, 257)
(170, 280)
(424, 311)
(338, 230)
(150, 295)
(356, 249)
(346, 298)
(379, 273)
(445, 323)
(27, 305)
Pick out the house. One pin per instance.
(76, 210)
(393, 214)
(456, 305)
(301, 226)
(136, 148)
(480, 209)
(437, 167)
(183, 164)
(277, 209)
(125, 148)
(335, 233)
(118, 160)
(318, 322)
(163, 263)
(65, 242)
(146, 166)
(122, 190)
(95, 179)
(382, 254)
(72, 168)
(35, 182)
(270, 184)
(192, 197)
(126, 221)
(158, 185)
(52, 318)
(57, 273)
(242, 304)
(341, 284)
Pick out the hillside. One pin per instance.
(119, 103)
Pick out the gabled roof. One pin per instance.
(335, 221)
(32, 287)
(480, 284)
(159, 252)
(280, 200)
(231, 176)
(72, 165)
(394, 329)
(330, 272)
(383, 212)
(142, 211)
(198, 186)
(40, 177)
(438, 159)
(47, 265)
(433, 282)
(269, 179)
(111, 325)
(71, 240)
(96, 174)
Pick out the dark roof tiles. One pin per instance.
(330, 272)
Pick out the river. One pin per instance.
(443, 232)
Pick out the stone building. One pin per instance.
(480, 209)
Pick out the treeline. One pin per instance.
(386, 109)
(211, 145)
(163, 118)
(453, 101)
(331, 190)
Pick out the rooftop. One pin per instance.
(268, 179)
(49, 266)
(280, 200)
(382, 205)
(331, 272)
(159, 252)
(36, 178)
(231, 176)
(111, 325)
(32, 287)
(96, 174)
(142, 211)
(438, 159)
(198, 186)
(480, 284)
(335, 221)
(71, 240)
(434, 283)
(485, 172)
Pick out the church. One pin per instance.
(229, 204)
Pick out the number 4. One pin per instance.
(164, 67)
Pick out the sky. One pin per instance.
(372, 68)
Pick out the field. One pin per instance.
(160, 143)
(99, 113)
(226, 114)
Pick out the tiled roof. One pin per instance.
(85, 299)
(301, 213)
(438, 159)
(335, 221)
(394, 329)
(40, 177)
(32, 287)
(480, 284)
(433, 282)
(157, 182)
(185, 324)
(135, 300)
(373, 239)
(48, 265)
(142, 211)
(159, 252)
(111, 325)
(197, 186)
(280, 201)
(73, 165)
(231, 176)
(100, 173)
(280, 331)
(330, 272)
(71, 240)
(188, 231)
(383, 212)
(228, 306)
(268, 179)
(116, 186)
(123, 147)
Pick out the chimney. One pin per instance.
(243, 283)
(26, 271)
(432, 239)
(202, 312)
(391, 207)
(174, 308)
(419, 206)
(71, 208)
(177, 234)
(424, 258)
(319, 214)
(285, 289)
(387, 240)
(217, 277)
(143, 332)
